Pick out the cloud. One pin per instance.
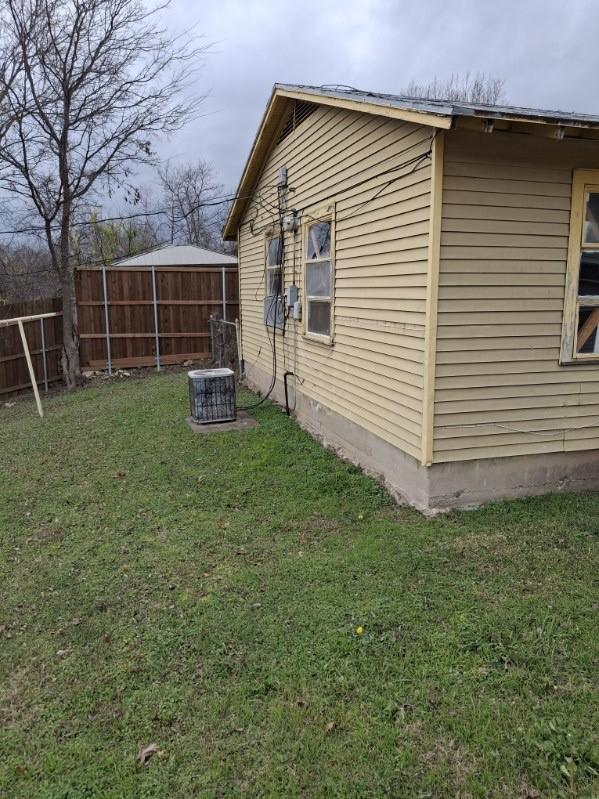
(545, 50)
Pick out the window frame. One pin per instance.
(314, 217)
(584, 181)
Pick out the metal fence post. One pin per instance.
(156, 331)
(224, 280)
(107, 322)
(239, 350)
(44, 355)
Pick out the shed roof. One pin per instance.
(178, 255)
(436, 113)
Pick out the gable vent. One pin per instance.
(300, 112)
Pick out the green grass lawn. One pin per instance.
(203, 592)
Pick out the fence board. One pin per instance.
(14, 374)
(186, 298)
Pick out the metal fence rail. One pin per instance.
(128, 317)
(150, 316)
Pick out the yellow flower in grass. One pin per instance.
(359, 630)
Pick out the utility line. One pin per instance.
(140, 215)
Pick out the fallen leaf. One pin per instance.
(146, 752)
(330, 726)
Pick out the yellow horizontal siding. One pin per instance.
(512, 213)
(486, 197)
(373, 374)
(499, 388)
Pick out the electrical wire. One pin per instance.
(414, 162)
(274, 304)
(51, 270)
(142, 215)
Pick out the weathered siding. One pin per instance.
(373, 374)
(499, 388)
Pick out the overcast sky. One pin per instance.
(545, 50)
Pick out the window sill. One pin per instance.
(587, 361)
(327, 341)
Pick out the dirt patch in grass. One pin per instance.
(16, 707)
(316, 528)
(487, 542)
(451, 759)
(46, 535)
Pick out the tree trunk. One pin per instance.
(71, 368)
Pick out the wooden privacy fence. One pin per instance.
(145, 316)
(134, 316)
(44, 338)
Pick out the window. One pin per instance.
(274, 303)
(580, 340)
(318, 280)
(273, 266)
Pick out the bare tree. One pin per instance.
(26, 272)
(191, 197)
(102, 242)
(95, 81)
(468, 88)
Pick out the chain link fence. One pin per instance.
(225, 344)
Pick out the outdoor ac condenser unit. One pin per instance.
(212, 395)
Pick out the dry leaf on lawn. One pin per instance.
(146, 752)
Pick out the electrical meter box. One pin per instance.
(291, 296)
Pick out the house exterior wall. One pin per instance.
(499, 388)
(372, 375)
(501, 402)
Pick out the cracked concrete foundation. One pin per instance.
(442, 486)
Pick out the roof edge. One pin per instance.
(272, 117)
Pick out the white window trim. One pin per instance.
(584, 180)
(311, 217)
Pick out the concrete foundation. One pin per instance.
(442, 486)
(243, 422)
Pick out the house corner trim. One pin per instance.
(432, 297)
